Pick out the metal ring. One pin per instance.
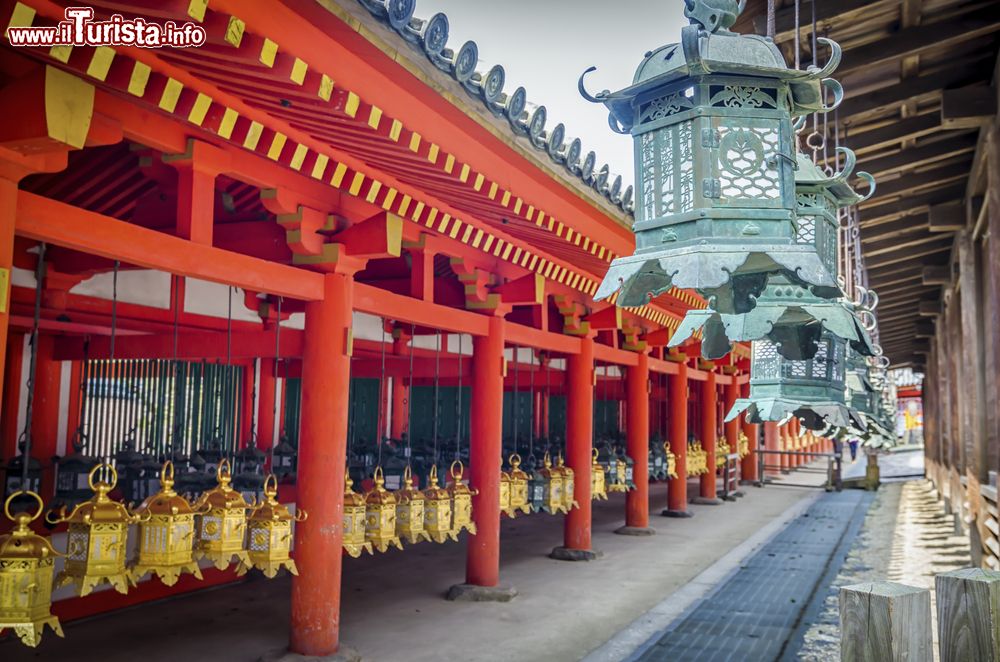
(163, 472)
(272, 482)
(93, 472)
(224, 463)
(461, 469)
(809, 141)
(6, 504)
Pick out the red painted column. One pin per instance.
(731, 392)
(482, 565)
(45, 412)
(579, 441)
(709, 434)
(265, 405)
(8, 212)
(11, 390)
(771, 443)
(677, 386)
(315, 627)
(400, 410)
(637, 442)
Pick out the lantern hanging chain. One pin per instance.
(176, 366)
(798, 59)
(458, 403)
(352, 419)
(114, 309)
(383, 395)
(548, 394)
(770, 19)
(229, 362)
(531, 392)
(514, 402)
(813, 36)
(277, 357)
(409, 401)
(32, 365)
(437, 384)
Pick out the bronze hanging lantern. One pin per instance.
(380, 515)
(97, 531)
(519, 499)
(437, 510)
(166, 534)
(461, 500)
(598, 489)
(221, 522)
(410, 511)
(26, 568)
(791, 314)
(269, 533)
(711, 119)
(354, 521)
(811, 390)
(73, 473)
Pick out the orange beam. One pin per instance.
(55, 222)
(399, 308)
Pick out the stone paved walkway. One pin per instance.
(757, 612)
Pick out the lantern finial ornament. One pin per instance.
(714, 15)
(269, 533)
(96, 535)
(222, 521)
(26, 567)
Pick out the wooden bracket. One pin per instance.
(573, 313)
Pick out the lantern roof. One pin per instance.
(100, 508)
(270, 509)
(815, 415)
(837, 186)
(222, 496)
(166, 501)
(22, 543)
(352, 498)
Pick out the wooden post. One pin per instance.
(968, 608)
(637, 430)
(885, 621)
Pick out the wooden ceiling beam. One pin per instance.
(912, 204)
(910, 159)
(898, 244)
(921, 38)
(894, 132)
(937, 175)
(914, 253)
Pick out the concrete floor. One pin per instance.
(393, 607)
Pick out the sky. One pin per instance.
(545, 45)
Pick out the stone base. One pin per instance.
(635, 531)
(343, 654)
(677, 513)
(567, 554)
(705, 501)
(744, 481)
(473, 593)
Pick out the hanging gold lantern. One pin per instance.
(569, 484)
(598, 490)
(722, 450)
(26, 566)
(744, 445)
(222, 522)
(618, 482)
(166, 534)
(380, 515)
(95, 539)
(553, 499)
(461, 501)
(671, 460)
(505, 492)
(437, 510)
(410, 510)
(518, 488)
(269, 533)
(354, 521)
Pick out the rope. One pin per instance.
(515, 400)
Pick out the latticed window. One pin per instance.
(160, 404)
(765, 359)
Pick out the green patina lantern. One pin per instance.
(786, 312)
(711, 119)
(812, 390)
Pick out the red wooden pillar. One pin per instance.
(265, 405)
(771, 443)
(8, 212)
(709, 436)
(579, 442)
(732, 429)
(397, 421)
(637, 447)
(11, 391)
(677, 386)
(482, 565)
(45, 411)
(315, 627)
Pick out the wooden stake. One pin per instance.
(885, 621)
(968, 607)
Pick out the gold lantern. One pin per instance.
(671, 460)
(618, 467)
(166, 534)
(461, 500)
(380, 515)
(437, 510)
(721, 451)
(95, 539)
(744, 445)
(410, 510)
(553, 498)
(518, 488)
(269, 533)
(569, 485)
(354, 521)
(505, 492)
(598, 489)
(222, 522)
(26, 566)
